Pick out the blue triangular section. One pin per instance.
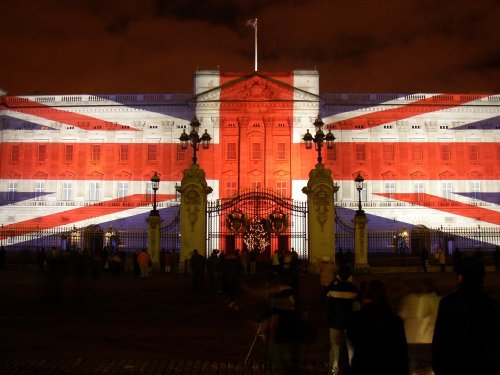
(374, 221)
(486, 197)
(487, 124)
(12, 123)
(139, 221)
(163, 107)
(19, 196)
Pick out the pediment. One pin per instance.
(230, 172)
(255, 88)
(389, 175)
(124, 175)
(474, 175)
(68, 175)
(13, 175)
(39, 175)
(446, 175)
(281, 173)
(95, 175)
(418, 175)
(255, 173)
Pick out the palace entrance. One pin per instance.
(260, 220)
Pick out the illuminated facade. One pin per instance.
(75, 160)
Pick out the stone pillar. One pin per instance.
(360, 242)
(193, 218)
(154, 220)
(321, 217)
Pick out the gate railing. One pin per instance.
(259, 218)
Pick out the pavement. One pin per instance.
(127, 325)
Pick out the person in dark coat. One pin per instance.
(340, 297)
(377, 335)
(231, 276)
(197, 263)
(467, 331)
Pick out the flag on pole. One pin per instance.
(252, 22)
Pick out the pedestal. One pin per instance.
(154, 220)
(321, 217)
(360, 242)
(193, 214)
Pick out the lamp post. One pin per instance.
(319, 138)
(155, 185)
(194, 139)
(359, 186)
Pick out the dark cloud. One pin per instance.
(100, 46)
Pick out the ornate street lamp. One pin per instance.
(194, 139)
(359, 186)
(319, 138)
(155, 185)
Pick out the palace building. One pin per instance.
(427, 159)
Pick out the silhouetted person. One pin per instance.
(340, 298)
(197, 264)
(231, 277)
(377, 335)
(281, 331)
(467, 332)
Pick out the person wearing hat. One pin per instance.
(466, 336)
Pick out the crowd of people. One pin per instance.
(366, 334)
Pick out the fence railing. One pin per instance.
(380, 242)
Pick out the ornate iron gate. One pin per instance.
(257, 219)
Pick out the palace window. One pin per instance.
(124, 153)
(123, 190)
(42, 153)
(418, 189)
(417, 153)
(68, 153)
(388, 152)
(67, 191)
(152, 152)
(280, 151)
(231, 151)
(95, 191)
(475, 189)
(281, 188)
(39, 190)
(360, 149)
(446, 189)
(14, 153)
(13, 188)
(256, 151)
(445, 153)
(331, 153)
(181, 153)
(255, 184)
(230, 188)
(390, 189)
(473, 153)
(95, 153)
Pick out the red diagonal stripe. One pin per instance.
(447, 205)
(81, 213)
(431, 104)
(33, 108)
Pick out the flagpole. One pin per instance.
(255, 44)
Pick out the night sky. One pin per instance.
(108, 46)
